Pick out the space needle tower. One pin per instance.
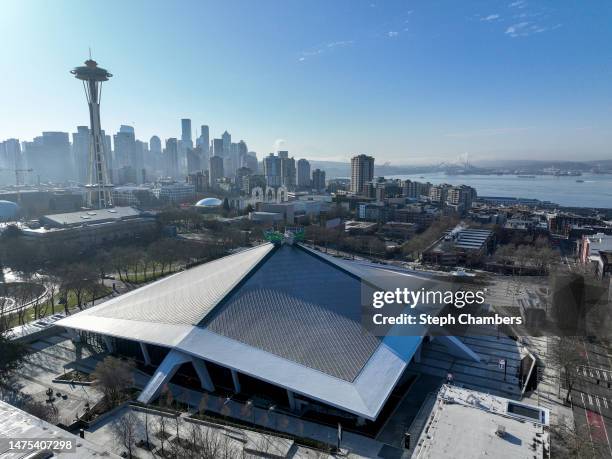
(98, 187)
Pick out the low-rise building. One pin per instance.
(16, 424)
(93, 227)
(170, 191)
(266, 217)
(422, 216)
(590, 247)
(357, 227)
(459, 245)
(604, 265)
(199, 180)
(34, 202)
(372, 211)
(294, 211)
(130, 195)
(467, 423)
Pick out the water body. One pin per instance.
(595, 191)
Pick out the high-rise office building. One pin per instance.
(251, 161)
(186, 138)
(10, 160)
(49, 156)
(204, 140)
(235, 158)
(138, 161)
(194, 160)
(217, 148)
(362, 172)
(303, 174)
(287, 172)
(155, 160)
(241, 174)
(81, 143)
(272, 170)
(318, 180)
(125, 147)
(155, 145)
(171, 158)
(227, 141)
(215, 170)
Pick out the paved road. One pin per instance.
(592, 395)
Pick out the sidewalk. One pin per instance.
(358, 445)
(547, 392)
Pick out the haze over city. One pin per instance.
(409, 82)
(306, 229)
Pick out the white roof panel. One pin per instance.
(183, 298)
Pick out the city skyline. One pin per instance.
(526, 80)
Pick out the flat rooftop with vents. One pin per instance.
(467, 423)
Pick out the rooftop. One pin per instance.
(467, 423)
(90, 216)
(285, 314)
(280, 294)
(17, 424)
(463, 238)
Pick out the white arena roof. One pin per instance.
(284, 314)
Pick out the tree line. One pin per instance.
(73, 276)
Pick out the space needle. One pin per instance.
(98, 187)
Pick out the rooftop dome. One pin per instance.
(8, 210)
(209, 202)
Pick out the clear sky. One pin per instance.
(406, 81)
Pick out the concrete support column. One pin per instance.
(360, 421)
(291, 397)
(163, 375)
(236, 381)
(75, 337)
(109, 344)
(145, 353)
(202, 371)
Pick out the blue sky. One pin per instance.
(406, 81)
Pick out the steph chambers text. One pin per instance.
(460, 319)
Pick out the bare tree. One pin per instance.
(575, 443)
(103, 262)
(114, 376)
(79, 279)
(51, 282)
(564, 355)
(194, 437)
(45, 411)
(146, 427)
(126, 428)
(38, 303)
(161, 427)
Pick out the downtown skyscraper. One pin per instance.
(303, 174)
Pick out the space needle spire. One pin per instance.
(98, 187)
